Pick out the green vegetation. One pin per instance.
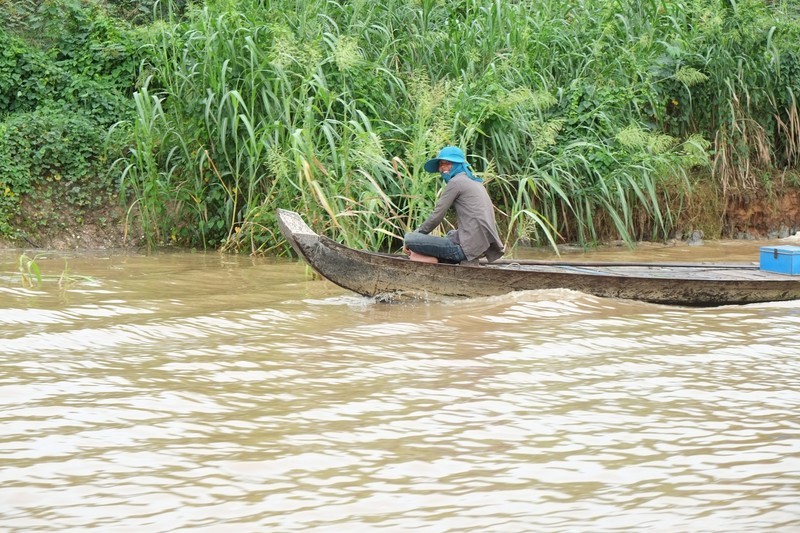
(29, 271)
(589, 120)
(30, 274)
(67, 72)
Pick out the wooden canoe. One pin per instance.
(390, 277)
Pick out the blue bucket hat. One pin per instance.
(448, 153)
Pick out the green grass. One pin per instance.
(584, 118)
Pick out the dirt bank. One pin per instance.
(100, 229)
(744, 216)
(750, 217)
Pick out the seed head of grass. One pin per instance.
(427, 98)
(347, 53)
(542, 100)
(277, 163)
(285, 51)
(440, 133)
(633, 137)
(367, 151)
(544, 134)
(690, 76)
(660, 143)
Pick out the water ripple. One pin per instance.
(303, 409)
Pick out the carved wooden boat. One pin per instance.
(388, 277)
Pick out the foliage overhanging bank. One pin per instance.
(67, 74)
(589, 120)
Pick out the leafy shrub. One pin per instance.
(78, 56)
(56, 160)
(147, 11)
(67, 70)
(27, 76)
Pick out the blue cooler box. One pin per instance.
(781, 259)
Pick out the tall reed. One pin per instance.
(585, 119)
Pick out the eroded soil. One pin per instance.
(744, 217)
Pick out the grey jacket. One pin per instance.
(477, 230)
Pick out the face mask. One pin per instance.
(458, 168)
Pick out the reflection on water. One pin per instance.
(212, 392)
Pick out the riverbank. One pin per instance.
(104, 228)
(753, 216)
(589, 126)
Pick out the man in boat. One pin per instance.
(476, 234)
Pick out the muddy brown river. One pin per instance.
(191, 391)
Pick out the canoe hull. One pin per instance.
(392, 276)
